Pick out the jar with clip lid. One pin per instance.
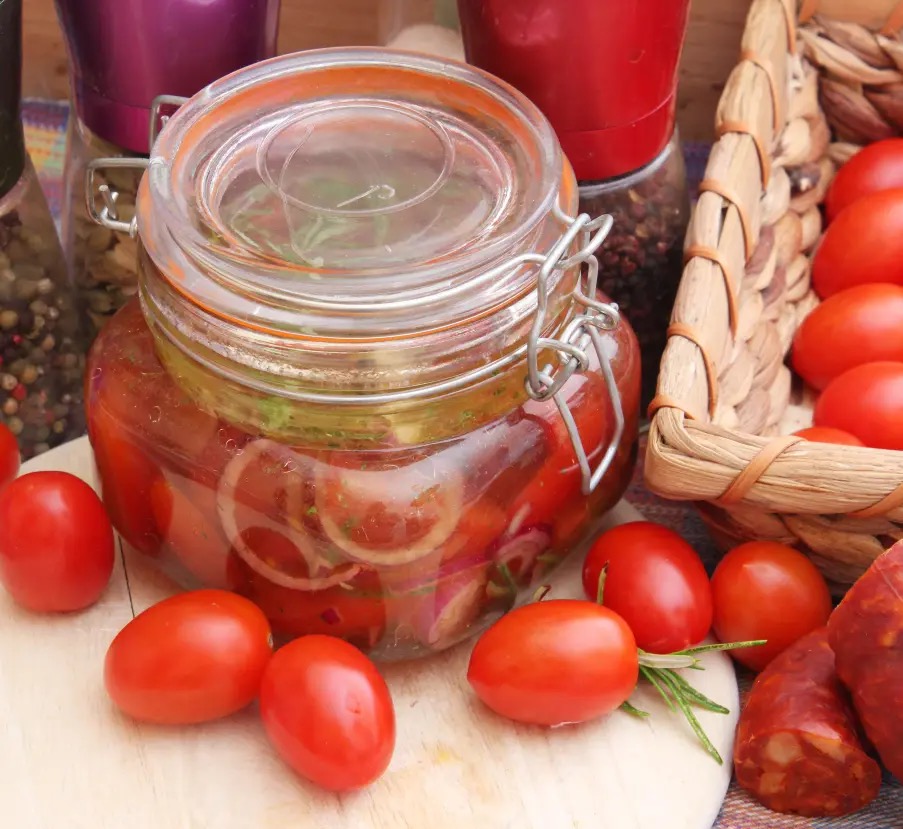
(122, 55)
(370, 383)
(605, 74)
(42, 350)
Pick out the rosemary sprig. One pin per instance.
(661, 672)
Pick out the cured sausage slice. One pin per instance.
(797, 750)
(866, 634)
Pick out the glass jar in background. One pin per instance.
(335, 396)
(426, 26)
(612, 102)
(41, 349)
(124, 55)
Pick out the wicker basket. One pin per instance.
(816, 81)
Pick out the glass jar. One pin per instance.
(642, 260)
(426, 26)
(364, 306)
(41, 347)
(123, 57)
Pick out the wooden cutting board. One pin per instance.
(69, 760)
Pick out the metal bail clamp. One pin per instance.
(582, 331)
(108, 215)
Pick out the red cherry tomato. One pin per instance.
(655, 581)
(825, 434)
(866, 401)
(863, 244)
(556, 661)
(391, 512)
(867, 319)
(192, 658)
(56, 542)
(558, 482)
(328, 712)
(128, 475)
(353, 611)
(9, 456)
(187, 521)
(766, 590)
(878, 166)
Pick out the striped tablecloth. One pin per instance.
(45, 123)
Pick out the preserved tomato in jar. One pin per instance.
(368, 381)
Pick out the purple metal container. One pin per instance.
(124, 53)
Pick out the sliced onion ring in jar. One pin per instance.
(281, 551)
(442, 615)
(390, 516)
(519, 554)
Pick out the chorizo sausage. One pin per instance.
(866, 634)
(797, 749)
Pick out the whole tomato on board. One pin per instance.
(863, 244)
(56, 542)
(766, 590)
(555, 662)
(194, 657)
(866, 401)
(328, 713)
(878, 166)
(856, 326)
(655, 581)
(826, 434)
(9, 456)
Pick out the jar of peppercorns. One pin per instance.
(41, 351)
(605, 74)
(123, 56)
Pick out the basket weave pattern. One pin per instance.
(816, 81)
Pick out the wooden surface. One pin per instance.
(68, 760)
(712, 47)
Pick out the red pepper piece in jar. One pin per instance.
(797, 749)
(864, 631)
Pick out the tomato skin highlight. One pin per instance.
(867, 320)
(56, 542)
(827, 434)
(192, 658)
(9, 456)
(655, 581)
(878, 166)
(554, 662)
(328, 712)
(864, 243)
(867, 402)
(766, 590)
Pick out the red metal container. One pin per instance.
(604, 72)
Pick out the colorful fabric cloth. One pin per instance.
(45, 127)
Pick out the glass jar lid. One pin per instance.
(344, 193)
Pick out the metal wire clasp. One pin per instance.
(108, 215)
(547, 382)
